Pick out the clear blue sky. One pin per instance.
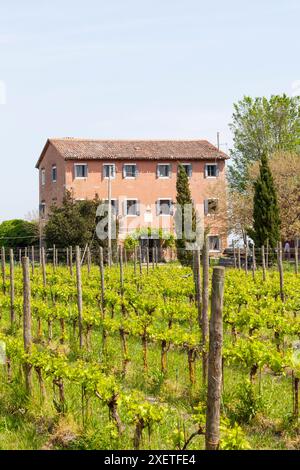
(132, 69)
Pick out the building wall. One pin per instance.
(147, 188)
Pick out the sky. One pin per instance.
(132, 69)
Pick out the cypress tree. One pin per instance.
(183, 200)
(265, 211)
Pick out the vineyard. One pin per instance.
(111, 357)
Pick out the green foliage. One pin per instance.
(249, 403)
(232, 437)
(18, 233)
(262, 126)
(183, 200)
(266, 224)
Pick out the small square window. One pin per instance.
(163, 170)
(211, 206)
(54, 174)
(211, 170)
(188, 168)
(214, 243)
(132, 207)
(109, 170)
(81, 171)
(129, 171)
(42, 209)
(164, 207)
(43, 176)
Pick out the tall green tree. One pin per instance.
(262, 126)
(18, 233)
(266, 225)
(184, 207)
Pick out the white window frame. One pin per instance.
(43, 176)
(81, 177)
(124, 173)
(190, 165)
(219, 238)
(126, 208)
(115, 200)
(164, 177)
(206, 212)
(206, 170)
(113, 173)
(54, 167)
(171, 206)
(42, 209)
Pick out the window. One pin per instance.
(164, 207)
(214, 243)
(43, 176)
(54, 173)
(130, 171)
(211, 170)
(188, 168)
(210, 206)
(163, 170)
(81, 170)
(114, 205)
(109, 170)
(42, 209)
(132, 207)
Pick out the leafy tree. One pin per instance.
(73, 223)
(18, 233)
(266, 225)
(261, 126)
(184, 203)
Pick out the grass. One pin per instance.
(33, 424)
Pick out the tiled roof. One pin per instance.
(87, 149)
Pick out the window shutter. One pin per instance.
(124, 171)
(190, 170)
(124, 207)
(138, 212)
(157, 171)
(205, 171)
(136, 171)
(157, 205)
(217, 170)
(205, 206)
(170, 171)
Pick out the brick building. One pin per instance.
(142, 175)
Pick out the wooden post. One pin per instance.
(239, 258)
(140, 259)
(12, 286)
(68, 260)
(246, 257)
(121, 270)
(204, 314)
(280, 269)
(102, 279)
(234, 257)
(296, 255)
(253, 261)
(79, 295)
(156, 256)
(3, 268)
(54, 258)
(263, 260)
(43, 266)
(147, 259)
(27, 322)
(32, 259)
(71, 260)
(134, 260)
(20, 257)
(198, 285)
(89, 260)
(214, 391)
